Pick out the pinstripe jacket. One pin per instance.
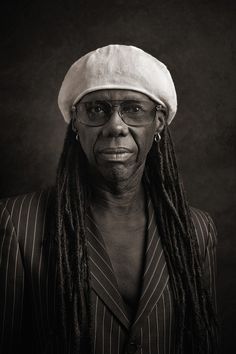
(28, 281)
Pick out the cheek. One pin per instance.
(87, 141)
(144, 140)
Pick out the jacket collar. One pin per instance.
(103, 280)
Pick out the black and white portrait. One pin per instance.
(117, 183)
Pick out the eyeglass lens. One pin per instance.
(134, 113)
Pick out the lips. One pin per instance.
(116, 154)
(117, 150)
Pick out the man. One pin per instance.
(113, 259)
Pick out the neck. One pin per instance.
(121, 198)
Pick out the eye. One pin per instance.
(95, 108)
(132, 108)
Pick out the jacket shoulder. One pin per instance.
(25, 212)
(20, 203)
(204, 229)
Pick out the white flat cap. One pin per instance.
(118, 67)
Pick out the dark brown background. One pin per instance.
(194, 39)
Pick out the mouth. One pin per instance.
(118, 154)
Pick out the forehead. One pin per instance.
(115, 94)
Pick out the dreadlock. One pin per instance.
(195, 318)
(71, 248)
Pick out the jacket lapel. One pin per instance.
(103, 279)
(155, 276)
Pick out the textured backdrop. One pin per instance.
(194, 39)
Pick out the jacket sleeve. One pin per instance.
(209, 269)
(11, 285)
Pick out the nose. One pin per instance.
(115, 126)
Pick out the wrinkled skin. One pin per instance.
(115, 151)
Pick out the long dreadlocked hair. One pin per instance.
(195, 318)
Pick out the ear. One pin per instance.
(74, 123)
(160, 121)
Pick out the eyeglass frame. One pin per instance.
(157, 108)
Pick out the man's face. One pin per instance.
(116, 150)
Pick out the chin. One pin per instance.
(117, 174)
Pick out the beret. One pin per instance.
(118, 67)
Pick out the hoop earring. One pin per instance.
(157, 138)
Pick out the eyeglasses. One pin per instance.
(133, 113)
